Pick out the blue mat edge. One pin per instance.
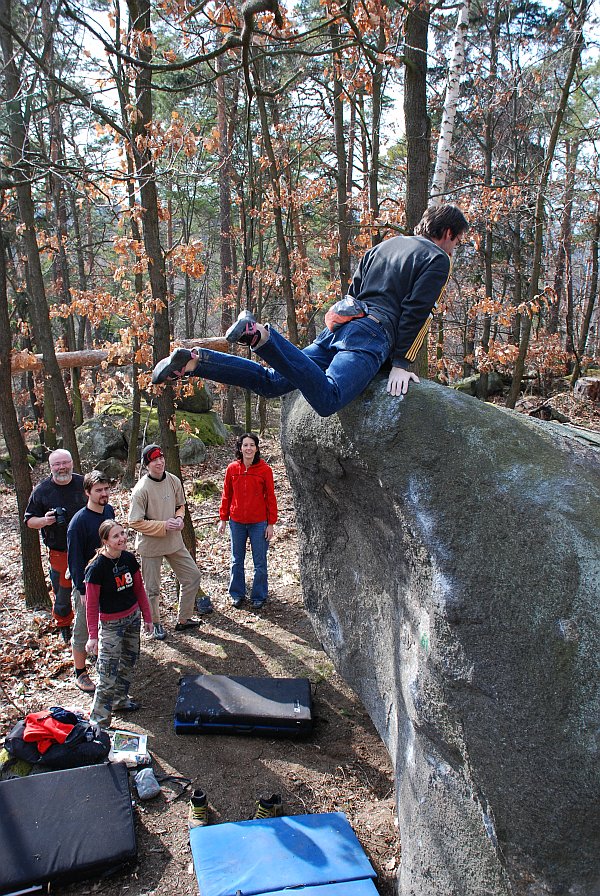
(201, 832)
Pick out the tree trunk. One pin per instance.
(488, 149)
(376, 101)
(60, 263)
(282, 246)
(22, 174)
(559, 287)
(593, 287)
(417, 122)
(140, 21)
(95, 357)
(572, 152)
(341, 157)
(225, 243)
(577, 32)
(455, 67)
(34, 580)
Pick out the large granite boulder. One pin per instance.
(99, 439)
(450, 564)
(196, 398)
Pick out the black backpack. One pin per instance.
(86, 744)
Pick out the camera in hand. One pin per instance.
(61, 516)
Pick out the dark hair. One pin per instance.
(93, 477)
(440, 218)
(238, 446)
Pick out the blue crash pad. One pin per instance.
(268, 855)
(348, 888)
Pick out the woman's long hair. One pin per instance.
(238, 446)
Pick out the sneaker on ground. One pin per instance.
(173, 367)
(65, 633)
(85, 683)
(244, 331)
(268, 807)
(237, 602)
(127, 705)
(158, 632)
(204, 605)
(198, 811)
(257, 604)
(189, 623)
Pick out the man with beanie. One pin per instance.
(157, 514)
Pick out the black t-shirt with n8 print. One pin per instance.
(115, 578)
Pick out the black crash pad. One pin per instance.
(65, 825)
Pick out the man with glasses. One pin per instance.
(82, 542)
(52, 505)
(386, 314)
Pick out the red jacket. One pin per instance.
(249, 494)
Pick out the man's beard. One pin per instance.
(63, 477)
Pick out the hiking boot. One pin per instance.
(244, 331)
(189, 623)
(65, 633)
(158, 632)
(127, 705)
(198, 811)
(268, 807)
(203, 605)
(171, 368)
(85, 683)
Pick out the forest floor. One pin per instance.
(342, 766)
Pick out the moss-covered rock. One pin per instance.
(205, 488)
(199, 402)
(99, 439)
(208, 427)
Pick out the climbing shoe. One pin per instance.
(171, 368)
(244, 331)
(198, 811)
(268, 807)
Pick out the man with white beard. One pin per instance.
(53, 503)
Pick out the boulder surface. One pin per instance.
(450, 565)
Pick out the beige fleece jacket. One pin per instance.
(152, 503)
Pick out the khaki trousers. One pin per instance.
(188, 575)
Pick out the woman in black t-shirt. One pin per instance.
(115, 598)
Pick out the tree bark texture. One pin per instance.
(416, 119)
(574, 57)
(139, 13)
(22, 174)
(455, 67)
(34, 580)
(341, 160)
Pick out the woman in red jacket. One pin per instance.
(250, 505)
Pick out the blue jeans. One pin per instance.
(240, 533)
(330, 372)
